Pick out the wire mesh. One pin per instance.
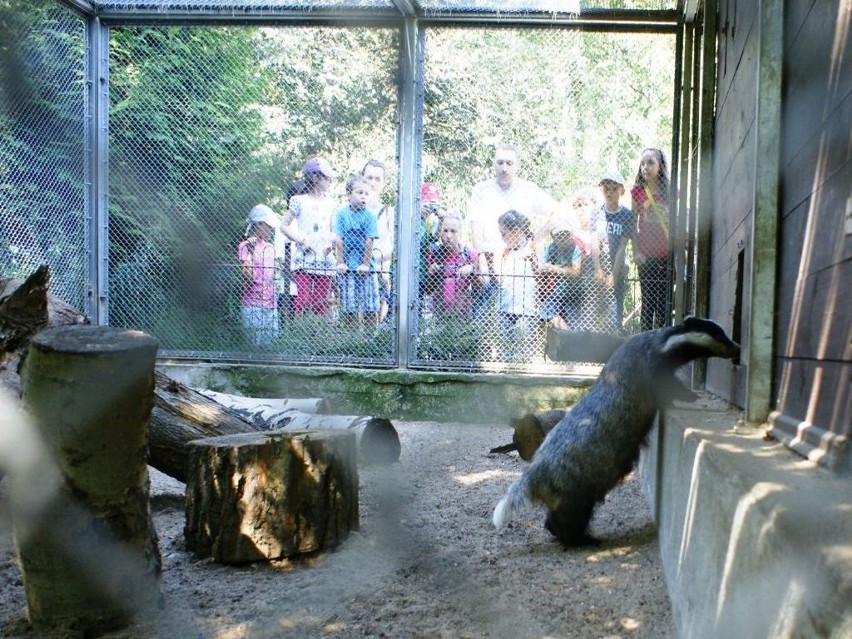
(42, 160)
(207, 121)
(521, 128)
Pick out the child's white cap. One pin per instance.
(262, 213)
(613, 176)
(562, 226)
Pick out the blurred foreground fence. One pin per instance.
(132, 149)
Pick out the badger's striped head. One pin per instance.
(696, 338)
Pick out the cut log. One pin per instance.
(376, 437)
(182, 415)
(266, 412)
(89, 391)
(270, 495)
(530, 430)
(580, 346)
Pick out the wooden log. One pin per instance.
(530, 430)
(26, 307)
(376, 437)
(270, 495)
(265, 412)
(181, 415)
(89, 391)
(579, 346)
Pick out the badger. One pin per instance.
(597, 442)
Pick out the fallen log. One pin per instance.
(270, 495)
(265, 412)
(182, 414)
(376, 438)
(580, 346)
(27, 307)
(530, 430)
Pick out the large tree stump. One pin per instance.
(91, 558)
(270, 495)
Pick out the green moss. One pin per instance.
(395, 394)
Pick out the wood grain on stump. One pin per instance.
(270, 495)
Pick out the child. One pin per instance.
(452, 269)
(355, 227)
(559, 278)
(619, 229)
(313, 259)
(650, 199)
(258, 267)
(516, 272)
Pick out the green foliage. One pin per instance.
(41, 144)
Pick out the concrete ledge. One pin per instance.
(756, 541)
(481, 398)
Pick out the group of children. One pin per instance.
(577, 282)
(331, 243)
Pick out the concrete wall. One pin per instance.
(396, 394)
(756, 541)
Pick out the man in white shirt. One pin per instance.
(493, 197)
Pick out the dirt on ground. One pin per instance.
(426, 562)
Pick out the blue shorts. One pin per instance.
(359, 292)
(260, 323)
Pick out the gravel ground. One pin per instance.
(426, 562)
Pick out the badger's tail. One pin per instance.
(516, 499)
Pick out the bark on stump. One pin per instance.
(91, 558)
(270, 495)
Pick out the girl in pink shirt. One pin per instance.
(258, 267)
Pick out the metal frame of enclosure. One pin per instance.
(412, 20)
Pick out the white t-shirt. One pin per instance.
(313, 216)
(488, 201)
(517, 280)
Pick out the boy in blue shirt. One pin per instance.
(356, 230)
(619, 229)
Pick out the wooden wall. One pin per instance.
(733, 182)
(812, 365)
(813, 368)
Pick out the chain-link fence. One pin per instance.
(43, 169)
(207, 121)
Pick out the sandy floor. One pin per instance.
(426, 562)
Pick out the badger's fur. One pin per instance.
(597, 442)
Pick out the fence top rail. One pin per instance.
(475, 12)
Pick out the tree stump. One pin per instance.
(270, 495)
(90, 558)
(532, 428)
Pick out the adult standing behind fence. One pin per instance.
(256, 253)
(313, 264)
(650, 198)
(491, 198)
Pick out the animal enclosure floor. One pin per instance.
(426, 562)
